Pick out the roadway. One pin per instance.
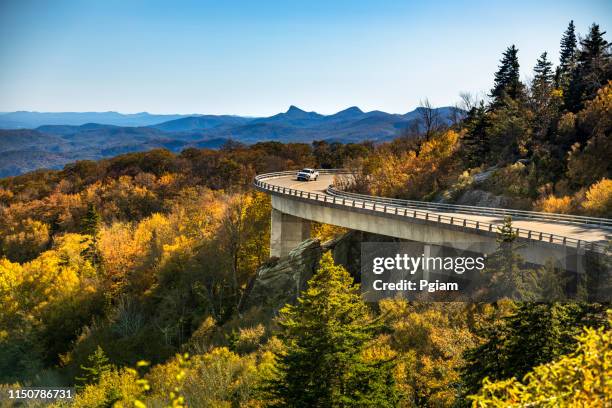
(576, 231)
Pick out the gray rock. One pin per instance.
(483, 198)
(281, 280)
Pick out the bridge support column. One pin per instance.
(426, 254)
(287, 231)
(430, 251)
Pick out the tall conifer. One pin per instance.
(475, 142)
(325, 334)
(593, 69)
(507, 81)
(567, 57)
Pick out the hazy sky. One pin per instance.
(259, 57)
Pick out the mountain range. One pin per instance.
(51, 140)
(31, 120)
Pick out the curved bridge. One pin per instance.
(295, 203)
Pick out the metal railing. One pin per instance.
(382, 205)
(477, 210)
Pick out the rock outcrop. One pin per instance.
(483, 198)
(281, 280)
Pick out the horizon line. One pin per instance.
(217, 114)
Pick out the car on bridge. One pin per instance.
(307, 174)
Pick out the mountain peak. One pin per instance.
(352, 109)
(347, 114)
(294, 109)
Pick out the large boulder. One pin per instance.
(281, 280)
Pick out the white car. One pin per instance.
(307, 174)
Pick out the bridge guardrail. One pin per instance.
(477, 210)
(371, 203)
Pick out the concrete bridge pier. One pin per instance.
(287, 231)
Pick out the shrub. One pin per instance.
(552, 204)
(114, 387)
(249, 339)
(599, 199)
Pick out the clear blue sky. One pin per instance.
(258, 57)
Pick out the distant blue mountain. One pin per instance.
(59, 138)
(351, 113)
(31, 120)
(66, 130)
(201, 123)
(293, 117)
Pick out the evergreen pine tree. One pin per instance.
(539, 332)
(593, 69)
(506, 233)
(507, 81)
(506, 273)
(487, 359)
(325, 334)
(567, 57)
(475, 142)
(543, 75)
(543, 107)
(534, 334)
(90, 224)
(98, 364)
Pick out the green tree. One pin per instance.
(579, 379)
(567, 57)
(542, 84)
(510, 130)
(475, 141)
(487, 358)
(545, 104)
(91, 222)
(325, 335)
(593, 69)
(98, 365)
(507, 81)
(533, 334)
(506, 274)
(543, 72)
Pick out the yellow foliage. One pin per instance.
(11, 278)
(599, 199)
(327, 232)
(580, 379)
(219, 378)
(25, 240)
(409, 174)
(439, 148)
(589, 162)
(119, 251)
(118, 387)
(249, 338)
(558, 205)
(597, 111)
(430, 341)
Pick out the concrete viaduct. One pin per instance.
(296, 203)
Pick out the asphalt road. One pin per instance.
(583, 232)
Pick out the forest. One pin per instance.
(127, 277)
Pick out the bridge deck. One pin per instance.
(582, 232)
